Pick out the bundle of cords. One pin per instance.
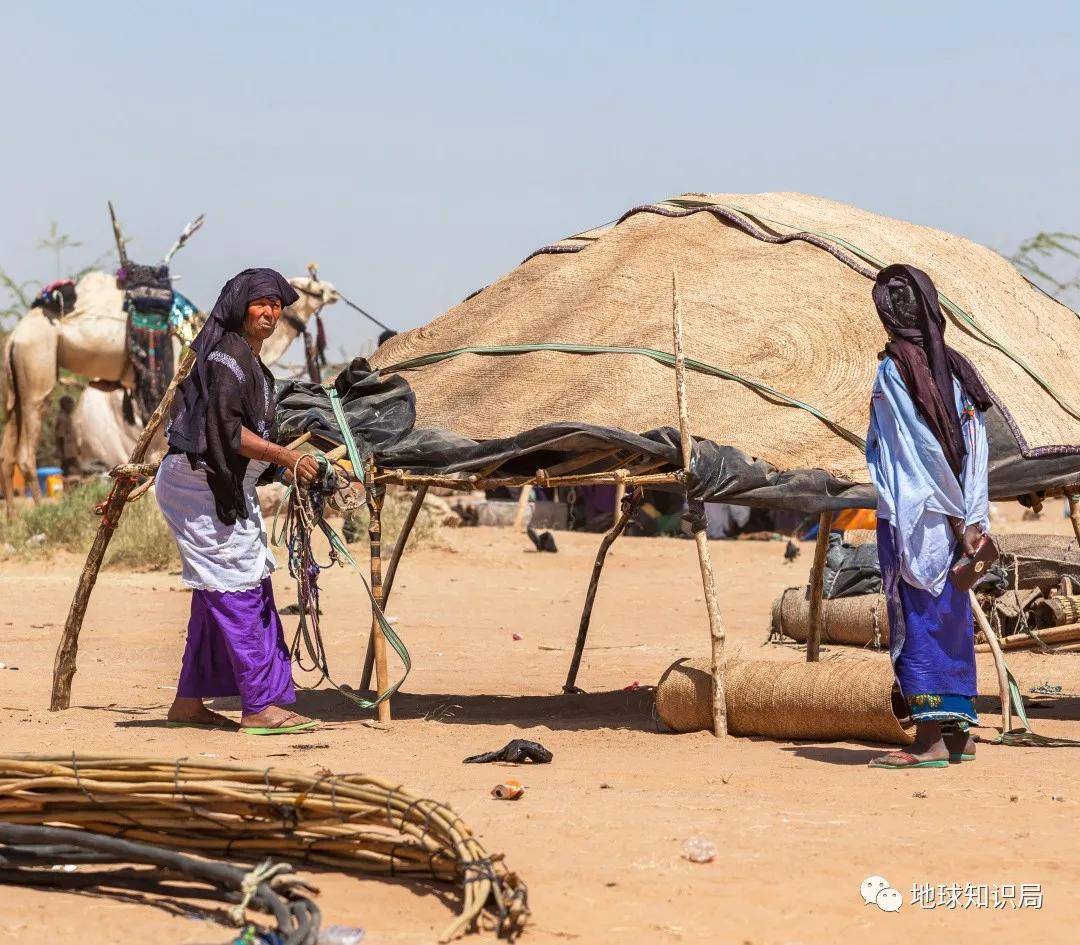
(305, 509)
(30, 855)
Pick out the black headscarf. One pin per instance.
(187, 429)
(907, 303)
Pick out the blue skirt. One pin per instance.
(932, 641)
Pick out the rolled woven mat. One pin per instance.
(850, 621)
(837, 700)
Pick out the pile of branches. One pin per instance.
(352, 823)
(29, 856)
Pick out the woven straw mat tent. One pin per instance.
(781, 337)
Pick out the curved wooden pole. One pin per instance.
(626, 513)
(999, 662)
(68, 648)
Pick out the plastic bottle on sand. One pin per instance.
(340, 935)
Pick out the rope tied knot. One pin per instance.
(249, 886)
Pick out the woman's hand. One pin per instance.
(303, 465)
(972, 535)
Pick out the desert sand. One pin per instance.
(598, 834)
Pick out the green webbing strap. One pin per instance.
(661, 357)
(388, 631)
(346, 433)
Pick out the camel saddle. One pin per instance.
(148, 302)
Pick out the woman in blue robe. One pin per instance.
(927, 454)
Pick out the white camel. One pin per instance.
(91, 342)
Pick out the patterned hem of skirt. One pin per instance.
(946, 707)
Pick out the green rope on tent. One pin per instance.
(960, 317)
(661, 357)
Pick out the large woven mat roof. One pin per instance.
(795, 316)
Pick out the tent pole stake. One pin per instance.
(375, 500)
(627, 511)
(391, 571)
(708, 578)
(817, 586)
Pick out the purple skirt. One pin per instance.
(236, 647)
(932, 640)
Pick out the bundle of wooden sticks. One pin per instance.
(349, 822)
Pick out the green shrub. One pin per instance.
(142, 540)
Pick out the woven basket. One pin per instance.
(837, 700)
(848, 621)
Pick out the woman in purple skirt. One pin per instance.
(220, 443)
(927, 453)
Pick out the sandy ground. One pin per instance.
(598, 834)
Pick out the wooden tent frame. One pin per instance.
(627, 471)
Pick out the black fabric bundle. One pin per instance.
(907, 303)
(228, 387)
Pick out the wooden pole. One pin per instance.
(375, 498)
(523, 504)
(625, 513)
(391, 571)
(817, 587)
(999, 662)
(620, 494)
(67, 651)
(1074, 513)
(708, 579)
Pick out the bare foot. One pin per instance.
(194, 712)
(272, 716)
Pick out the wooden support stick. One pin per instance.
(1074, 513)
(67, 651)
(999, 662)
(391, 572)
(620, 494)
(374, 499)
(625, 512)
(708, 579)
(817, 587)
(523, 504)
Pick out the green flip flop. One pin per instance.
(204, 726)
(280, 730)
(911, 763)
(955, 759)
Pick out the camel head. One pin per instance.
(314, 294)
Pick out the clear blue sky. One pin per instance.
(418, 151)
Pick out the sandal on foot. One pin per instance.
(279, 729)
(205, 726)
(956, 758)
(908, 760)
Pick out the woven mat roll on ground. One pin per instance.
(848, 621)
(837, 700)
